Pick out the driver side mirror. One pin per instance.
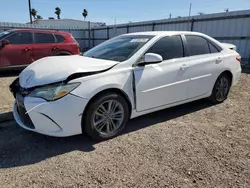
(150, 58)
(5, 42)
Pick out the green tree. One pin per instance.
(85, 13)
(39, 17)
(33, 13)
(58, 12)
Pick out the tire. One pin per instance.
(109, 128)
(222, 86)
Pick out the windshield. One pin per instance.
(120, 48)
(3, 34)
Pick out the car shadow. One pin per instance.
(166, 115)
(6, 116)
(9, 73)
(19, 147)
(246, 70)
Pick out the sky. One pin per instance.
(123, 11)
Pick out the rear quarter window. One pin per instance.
(213, 49)
(59, 38)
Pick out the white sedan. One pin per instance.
(125, 77)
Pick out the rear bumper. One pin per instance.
(58, 118)
(236, 76)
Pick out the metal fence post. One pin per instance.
(128, 28)
(192, 24)
(93, 37)
(108, 32)
(89, 35)
(153, 26)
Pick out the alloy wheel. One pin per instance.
(222, 89)
(108, 117)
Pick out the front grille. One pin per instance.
(14, 87)
(19, 93)
(22, 112)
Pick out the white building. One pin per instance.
(66, 23)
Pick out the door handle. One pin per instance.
(184, 66)
(218, 60)
(27, 49)
(54, 48)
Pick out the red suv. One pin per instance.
(21, 47)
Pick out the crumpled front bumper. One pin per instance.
(56, 118)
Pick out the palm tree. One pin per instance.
(58, 12)
(39, 17)
(85, 13)
(33, 13)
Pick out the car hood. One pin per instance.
(58, 68)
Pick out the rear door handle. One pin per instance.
(219, 59)
(54, 48)
(184, 66)
(27, 49)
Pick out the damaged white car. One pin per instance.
(125, 77)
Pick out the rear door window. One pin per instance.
(20, 38)
(197, 45)
(44, 38)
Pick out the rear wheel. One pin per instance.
(221, 89)
(106, 116)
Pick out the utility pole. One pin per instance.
(30, 11)
(170, 16)
(190, 9)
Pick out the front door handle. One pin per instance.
(184, 66)
(218, 60)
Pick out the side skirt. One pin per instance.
(135, 113)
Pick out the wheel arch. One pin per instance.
(63, 53)
(106, 91)
(229, 73)
(230, 76)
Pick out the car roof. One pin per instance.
(40, 30)
(159, 33)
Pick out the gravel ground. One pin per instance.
(6, 99)
(193, 145)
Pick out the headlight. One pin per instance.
(53, 92)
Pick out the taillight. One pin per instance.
(238, 58)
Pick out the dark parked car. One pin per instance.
(20, 47)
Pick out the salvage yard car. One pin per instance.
(122, 78)
(21, 47)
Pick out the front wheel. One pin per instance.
(106, 116)
(221, 89)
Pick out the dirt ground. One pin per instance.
(6, 99)
(193, 145)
